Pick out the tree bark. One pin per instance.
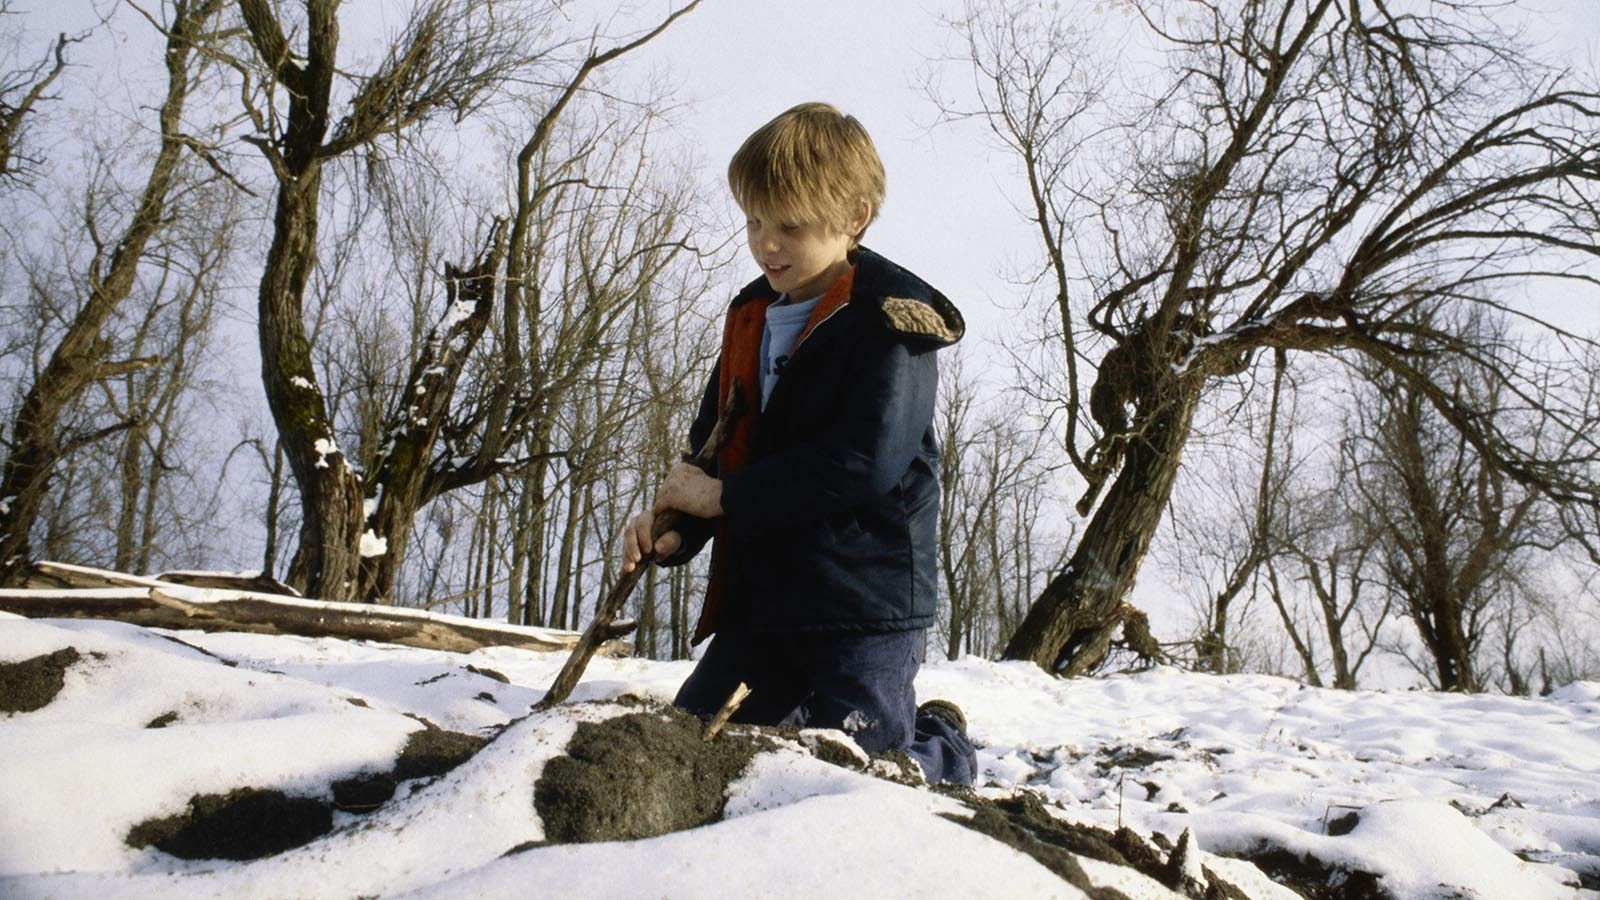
(327, 561)
(154, 603)
(1068, 628)
(407, 477)
(80, 359)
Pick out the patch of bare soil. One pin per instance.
(1023, 823)
(430, 752)
(251, 823)
(639, 775)
(649, 773)
(248, 823)
(1312, 878)
(31, 684)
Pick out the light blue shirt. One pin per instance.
(785, 321)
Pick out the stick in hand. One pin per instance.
(601, 628)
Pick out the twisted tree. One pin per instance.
(1298, 176)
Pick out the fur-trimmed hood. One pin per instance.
(911, 307)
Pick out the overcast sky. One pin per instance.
(734, 64)
(949, 214)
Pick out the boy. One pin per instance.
(825, 501)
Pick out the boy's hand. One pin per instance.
(689, 490)
(636, 541)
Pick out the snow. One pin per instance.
(1457, 795)
(325, 448)
(372, 545)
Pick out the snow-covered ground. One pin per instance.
(1453, 796)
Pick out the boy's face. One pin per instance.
(800, 260)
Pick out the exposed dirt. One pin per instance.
(31, 684)
(649, 772)
(1022, 822)
(429, 752)
(1130, 758)
(250, 823)
(639, 775)
(1312, 878)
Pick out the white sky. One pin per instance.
(949, 214)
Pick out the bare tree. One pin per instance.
(1226, 534)
(81, 358)
(21, 91)
(993, 482)
(161, 511)
(1454, 535)
(451, 57)
(1291, 176)
(1332, 610)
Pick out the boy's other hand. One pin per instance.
(689, 490)
(636, 541)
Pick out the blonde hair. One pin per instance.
(811, 165)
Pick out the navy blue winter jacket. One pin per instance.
(830, 521)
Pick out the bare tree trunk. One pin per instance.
(406, 478)
(521, 550)
(79, 360)
(275, 483)
(326, 563)
(1069, 627)
(1308, 661)
(1333, 619)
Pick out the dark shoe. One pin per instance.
(946, 712)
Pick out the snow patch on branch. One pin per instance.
(1197, 345)
(372, 545)
(459, 312)
(325, 448)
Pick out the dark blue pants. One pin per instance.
(858, 683)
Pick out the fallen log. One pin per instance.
(153, 603)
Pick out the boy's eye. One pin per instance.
(791, 227)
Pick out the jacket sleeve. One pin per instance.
(696, 531)
(873, 435)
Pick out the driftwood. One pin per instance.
(71, 592)
(605, 622)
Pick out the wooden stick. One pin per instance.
(718, 721)
(665, 521)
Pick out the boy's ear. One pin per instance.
(862, 219)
